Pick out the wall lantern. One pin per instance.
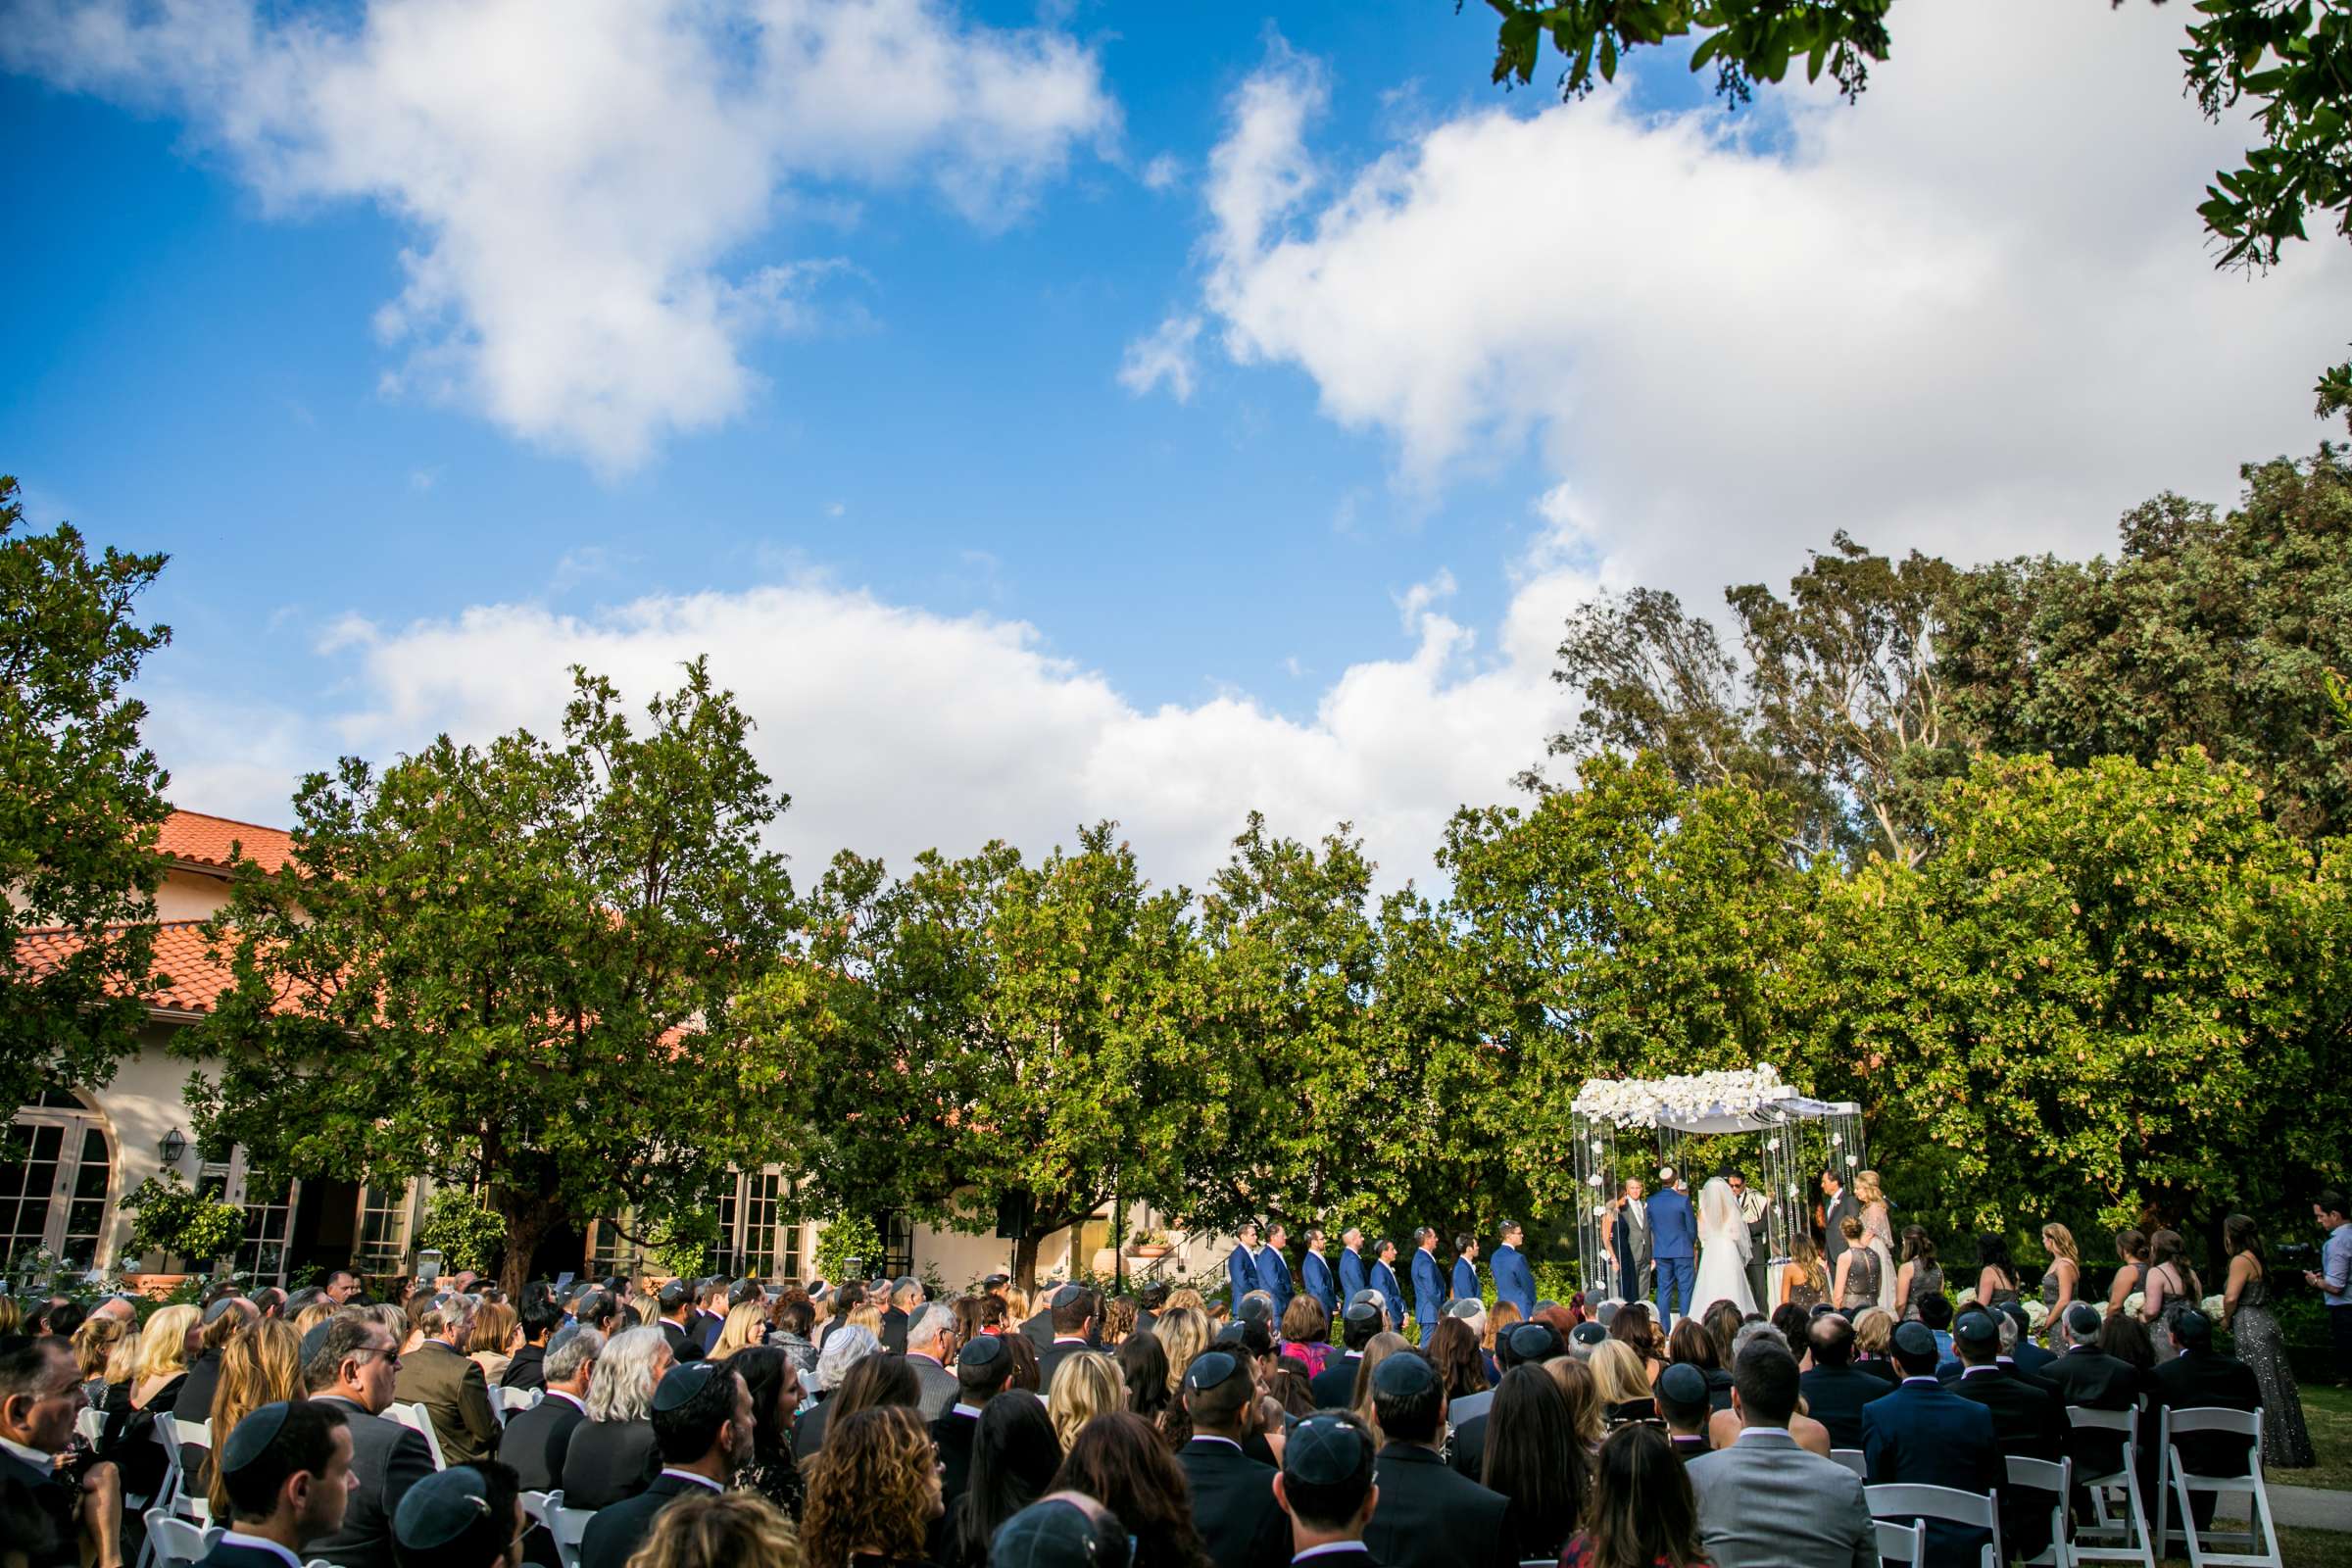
(175, 1146)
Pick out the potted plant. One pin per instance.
(1148, 1243)
(176, 1219)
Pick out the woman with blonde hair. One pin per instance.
(1805, 1282)
(864, 1315)
(2062, 1280)
(157, 1369)
(311, 1316)
(1183, 1331)
(496, 1335)
(745, 1327)
(260, 1366)
(1621, 1383)
(100, 1346)
(1084, 1387)
(1874, 1336)
(1879, 1228)
(1016, 1306)
(719, 1529)
(1575, 1378)
(873, 1491)
(1188, 1297)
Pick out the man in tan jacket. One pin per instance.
(439, 1376)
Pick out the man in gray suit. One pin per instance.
(1629, 1241)
(930, 1341)
(1764, 1501)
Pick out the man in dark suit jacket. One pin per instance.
(906, 1299)
(1334, 1387)
(2202, 1378)
(535, 1440)
(983, 1370)
(541, 1320)
(1925, 1434)
(703, 1426)
(1315, 1276)
(1325, 1488)
(1073, 1315)
(1836, 1203)
(1384, 1280)
(2087, 1376)
(1274, 1270)
(1354, 1272)
(1428, 1283)
(1835, 1390)
(287, 1472)
(1233, 1495)
(710, 1312)
(350, 1362)
(40, 1396)
(678, 1326)
(466, 1516)
(1514, 1281)
(2028, 1423)
(1428, 1516)
(441, 1377)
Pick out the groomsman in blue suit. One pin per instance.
(1673, 1245)
(1274, 1270)
(1315, 1275)
(1355, 1274)
(1514, 1281)
(1428, 1283)
(1241, 1264)
(1384, 1280)
(1465, 1269)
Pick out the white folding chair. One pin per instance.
(91, 1425)
(1853, 1459)
(1906, 1544)
(165, 1436)
(191, 1504)
(1906, 1502)
(2260, 1538)
(567, 1526)
(2128, 1538)
(416, 1418)
(534, 1505)
(176, 1543)
(507, 1402)
(2041, 1475)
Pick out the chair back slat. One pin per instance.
(1910, 1501)
(2214, 1418)
(2081, 1416)
(1853, 1459)
(1902, 1543)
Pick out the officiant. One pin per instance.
(1629, 1241)
(1752, 1206)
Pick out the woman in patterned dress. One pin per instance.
(2246, 1315)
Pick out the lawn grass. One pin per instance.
(2328, 1412)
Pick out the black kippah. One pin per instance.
(1209, 1370)
(986, 1350)
(681, 1384)
(1533, 1341)
(1403, 1375)
(251, 1438)
(441, 1508)
(316, 1340)
(1324, 1451)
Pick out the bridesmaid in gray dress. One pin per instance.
(2246, 1315)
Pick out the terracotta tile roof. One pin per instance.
(195, 977)
(207, 839)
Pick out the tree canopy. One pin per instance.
(517, 967)
(80, 804)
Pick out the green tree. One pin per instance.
(2206, 629)
(2289, 60)
(989, 1028)
(169, 1216)
(517, 967)
(80, 804)
(1838, 714)
(2120, 985)
(465, 1234)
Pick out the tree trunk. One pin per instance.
(529, 1216)
(1024, 1257)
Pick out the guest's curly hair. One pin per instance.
(873, 1484)
(719, 1531)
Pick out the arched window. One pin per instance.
(56, 1176)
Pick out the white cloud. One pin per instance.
(896, 729)
(1167, 354)
(1163, 172)
(1974, 313)
(576, 172)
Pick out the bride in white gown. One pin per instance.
(1723, 1250)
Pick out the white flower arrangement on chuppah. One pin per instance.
(1645, 1102)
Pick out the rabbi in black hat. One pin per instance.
(1924, 1434)
(1326, 1489)
(703, 1426)
(287, 1470)
(466, 1516)
(1233, 1493)
(1429, 1516)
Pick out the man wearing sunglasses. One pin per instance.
(351, 1362)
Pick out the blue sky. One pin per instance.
(1458, 358)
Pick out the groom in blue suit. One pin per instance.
(1673, 1245)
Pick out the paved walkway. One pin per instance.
(2301, 1508)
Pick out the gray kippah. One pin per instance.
(1324, 1451)
(441, 1508)
(251, 1438)
(1403, 1375)
(1369, 1297)
(681, 1384)
(1360, 1313)
(1464, 1306)
(316, 1340)
(218, 1310)
(1684, 1385)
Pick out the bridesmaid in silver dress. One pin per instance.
(2246, 1315)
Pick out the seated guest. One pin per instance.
(1427, 1515)
(40, 1395)
(535, 1440)
(160, 1373)
(491, 1341)
(285, 1471)
(1642, 1512)
(2201, 1377)
(1087, 1385)
(773, 1380)
(1326, 1490)
(1334, 1387)
(877, 1380)
(703, 1427)
(1763, 1501)
(261, 1366)
(1010, 1457)
(1526, 1345)
(2028, 1423)
(930, 1341)
(1535, 1462)
(1062, 1530)
(737, 1530)
(1874, 1344)
(2085, 1375)
(350, 1362)
(1073, 1315)
(611, 1455)
(1453, 1351)
(1795, 1325)
(1936, 1311)
(1306, 1333)
(1143, 1367)
(681, 1325)
(1232, 1495)
(1684, 1406)
(1924, 1434)
(467, 1516)
(1121, 1463)
(795, 1321)
(839, 1354)
(1625, 1393)
(101, 1356)
(539, 1319)
(1723, 1427)
(1838, 1390)
(221, 1322)
(1694, 1346)
(439, 1376)
(2019, 1352)
(745, 1325)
